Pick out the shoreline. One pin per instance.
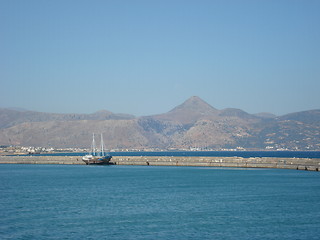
(310, 164)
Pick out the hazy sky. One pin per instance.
(146, 57)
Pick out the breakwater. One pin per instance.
(34, 159)
(256, 162)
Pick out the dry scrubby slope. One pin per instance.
(193, 123)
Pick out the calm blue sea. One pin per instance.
(147, 202)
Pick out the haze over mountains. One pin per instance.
(193, 124)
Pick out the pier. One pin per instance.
(310, 164)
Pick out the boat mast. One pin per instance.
(93, 146)
(102, 146)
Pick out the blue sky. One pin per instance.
(146, 57)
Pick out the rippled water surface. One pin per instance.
(144, 202)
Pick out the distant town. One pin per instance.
(31, 150)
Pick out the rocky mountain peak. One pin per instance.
(189, 111)
(195, 104)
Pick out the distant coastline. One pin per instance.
(243, 154)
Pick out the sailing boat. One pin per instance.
(97, 157)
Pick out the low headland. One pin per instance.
(310, 164)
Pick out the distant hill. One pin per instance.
(10, 117)
(309, 117)
(234, 112)
(189, 111)
(18, 109)
(193, 124)
(265, 115)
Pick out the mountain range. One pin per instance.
(193, 124)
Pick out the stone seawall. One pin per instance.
(264, 162)
(32, 159)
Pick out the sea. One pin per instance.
(157, 202)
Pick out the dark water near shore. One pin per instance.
(244, 154)
(140, 202)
